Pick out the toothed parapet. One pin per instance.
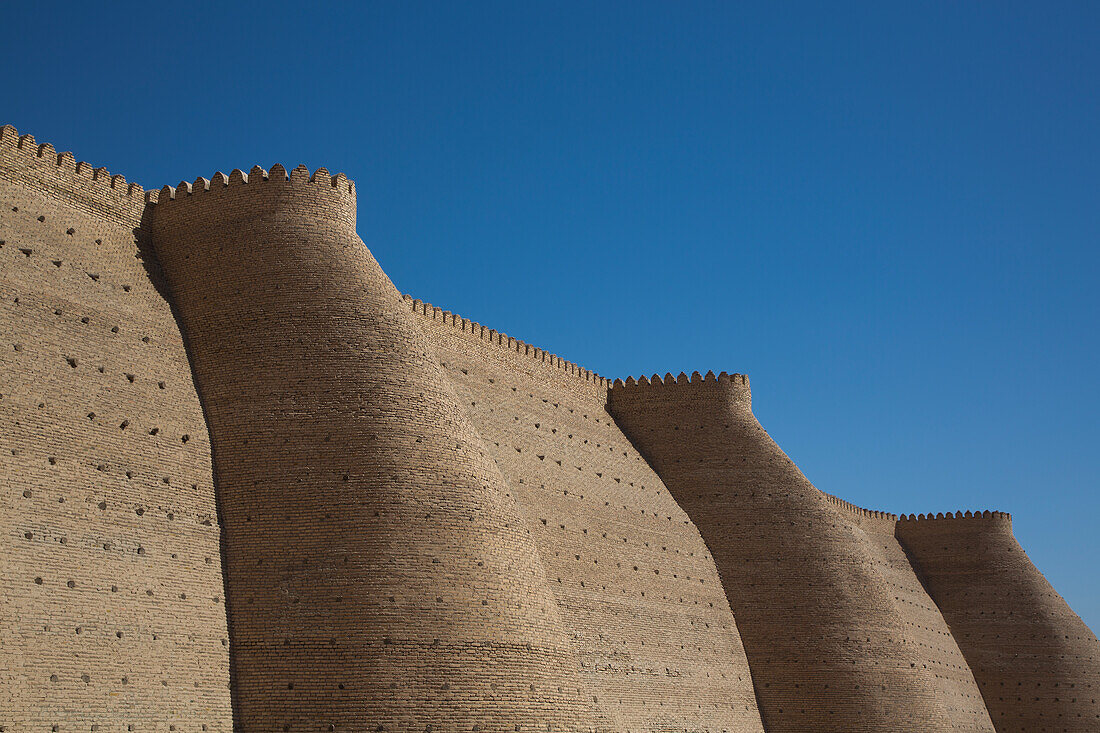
(496, 338)
(858, 510)
(289, 195)
(731, 389)
(92, 188)
(925, 519)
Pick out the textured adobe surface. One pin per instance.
(839, 634)
(379, 574)
(111, 578)
(636, 587)
(1036, 662)
(425, 524)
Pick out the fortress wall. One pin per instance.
(838, 632)
(1036, 662)
(636, 587)
(380, 574)
(110, 574)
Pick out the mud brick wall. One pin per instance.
(295, 500)
(1036, 662)
(110, 573)
(636, 587)
(838, 633)
(380, 574)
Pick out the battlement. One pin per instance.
(294, 204)
(670, 381)
(730, 389)
(858, 510)
(955, 516)
(920, 527)
(320, 178)
(501, 340)
(61, 175)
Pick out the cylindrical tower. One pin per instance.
(379, 576)
(1035, 660)
(829, 645)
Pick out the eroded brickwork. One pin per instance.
(113, 616)
(1036, 662)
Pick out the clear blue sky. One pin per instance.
(886, 214)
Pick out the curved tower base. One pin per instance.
(1036, 662)
(839, 634)
(379, 575)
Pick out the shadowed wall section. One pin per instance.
(636, 587)
(838, 632)
(380, 576)
(110, 578)
(1036, 662)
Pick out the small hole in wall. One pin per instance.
(41, 218)
(126, 288)
(70, 231)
